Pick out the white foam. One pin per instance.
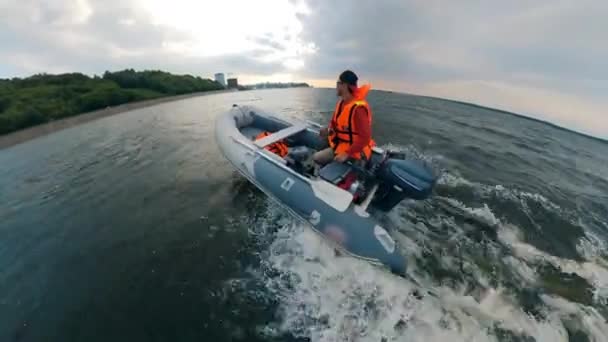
(485, 190)
(592, 247)
(522, 269)
(484, 213)
(409, 246)
(495, 307)
(326, 297)
(595, 274)
(452, 180)
(358, 301)
(578, 316)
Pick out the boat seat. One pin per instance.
(334, 172)
(280, 135)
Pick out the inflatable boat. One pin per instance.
(317, 195)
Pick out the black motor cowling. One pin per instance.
(400, 179)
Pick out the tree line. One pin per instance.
(25, 102)
(272, 85)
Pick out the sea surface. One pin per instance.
(135, 228)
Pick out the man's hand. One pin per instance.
(324, 132)
(341, 158)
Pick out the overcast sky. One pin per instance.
(546, 59)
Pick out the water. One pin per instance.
(135, 228)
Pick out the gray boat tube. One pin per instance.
(326, 208)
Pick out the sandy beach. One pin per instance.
(30, 133)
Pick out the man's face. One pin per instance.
(341, 88)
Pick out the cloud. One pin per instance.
(466, 39)
(267, 41)
(93, 37)
(545, 58)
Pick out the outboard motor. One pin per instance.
(400, 179)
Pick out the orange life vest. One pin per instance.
(279, 147)
(343, 133)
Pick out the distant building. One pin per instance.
(233, 83)
(219, 77)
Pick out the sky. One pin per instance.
(545, 59)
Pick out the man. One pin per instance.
(349, 131)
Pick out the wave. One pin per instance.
(454, 180)
(469, 277)
(324, 297)
(596, 274)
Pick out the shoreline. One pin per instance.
(30, 133)
(34, 132)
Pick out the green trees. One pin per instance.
(160, 81)
(42, 98)
(272, 85)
